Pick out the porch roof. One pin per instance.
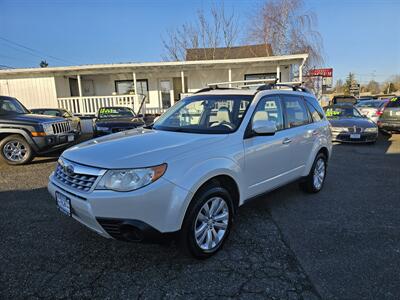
(153, 66)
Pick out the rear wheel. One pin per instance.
(315, 180)
(207, 222)
(15, 150)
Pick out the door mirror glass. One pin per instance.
(264, 127)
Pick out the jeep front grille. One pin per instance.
(61, 127)
(77, 181)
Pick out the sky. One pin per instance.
(359, 36)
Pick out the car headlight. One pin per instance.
(371, 129)
(100, 128)
(130, 179)
(48, 129)
(340, 129)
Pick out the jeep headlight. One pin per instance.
(130, 179)
(48, 129)
(371, 129)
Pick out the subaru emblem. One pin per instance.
(69, 169)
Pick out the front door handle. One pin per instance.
(315, 132)
(286, 141)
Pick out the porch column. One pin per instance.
(278, 73)
(136, 95)
(230, 77)
(183, 81)
(301, 70)
(80, 101)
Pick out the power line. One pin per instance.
(42, 54)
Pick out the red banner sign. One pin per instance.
(321, 72)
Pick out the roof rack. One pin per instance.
(295, 86)
(212, 88)
(261, 84)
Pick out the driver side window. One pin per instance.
(270, 109)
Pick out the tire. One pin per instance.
(9, 147)
(216, 228)
(311, 184)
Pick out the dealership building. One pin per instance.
(83, 89)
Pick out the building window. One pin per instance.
(260, 76)
(125, 87)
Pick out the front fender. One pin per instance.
(22, 132)
(192, 178)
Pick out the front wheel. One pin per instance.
(315, 180)
(15, 150)
(207, 222)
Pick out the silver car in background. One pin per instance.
(372, 109)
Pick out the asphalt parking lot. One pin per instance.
(343, 243)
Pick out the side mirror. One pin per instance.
(264, 127)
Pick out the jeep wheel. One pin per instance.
(15, 150)
(207, 222)
(315, 180)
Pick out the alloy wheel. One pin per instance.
(319, 173)
(14, 151)
(211, 223)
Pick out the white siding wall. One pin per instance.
(32, 92)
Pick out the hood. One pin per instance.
(350, 122)
(31, 118)
(119, 122)
(137, 148)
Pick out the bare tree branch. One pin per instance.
(288, 29)
(213, 29)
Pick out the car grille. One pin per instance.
(355, 129)
(61, 127)
(80, 182)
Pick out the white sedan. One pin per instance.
(372, 108)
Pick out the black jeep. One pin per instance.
(23, 134)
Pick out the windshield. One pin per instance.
(344, 99)
(206, 114)
(11, 106)
(370, 104)
(335, 112)
(115, 112)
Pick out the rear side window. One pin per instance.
(316, 105)
(295, 111)
(314, 114)
(394, 102)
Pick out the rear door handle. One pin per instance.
(315, 132)
(286, 141)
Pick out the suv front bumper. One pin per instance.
(154, 209)
(53, 142)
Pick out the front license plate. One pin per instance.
(63, 204)
(71, 138)
(355, 136)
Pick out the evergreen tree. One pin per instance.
(350, 80)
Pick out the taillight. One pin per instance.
(379, 112)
